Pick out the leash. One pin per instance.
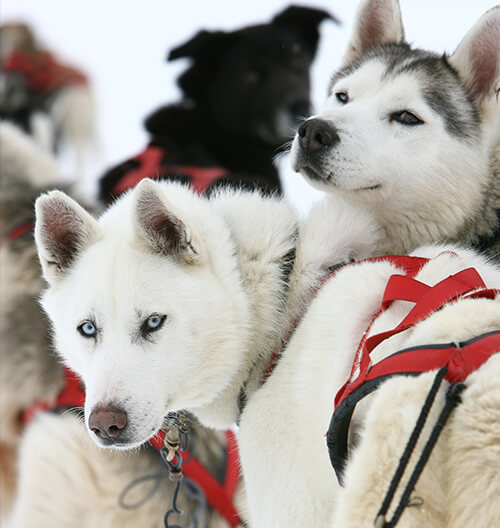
(219, 495)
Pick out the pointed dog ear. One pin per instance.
(203, 43)
(304, 22)
(377, 22)
(159, 227)
(63, 230)
(477, 57)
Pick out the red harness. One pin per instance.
(411, 265)
(42, 73)
(460, 359)
(151, 165)
(19, 231)
(72, 395)
(219, 496)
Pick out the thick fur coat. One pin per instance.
(214, 277)
(54, 448)
(243, 96)
(411, 136)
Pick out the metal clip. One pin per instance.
(171, 441)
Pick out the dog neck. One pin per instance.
(474, 221)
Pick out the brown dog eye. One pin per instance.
(406, 118)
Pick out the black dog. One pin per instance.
(244, 94)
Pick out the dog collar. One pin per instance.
(460, 360)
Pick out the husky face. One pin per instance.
(381, 114)
(400, 122)
(137, 313)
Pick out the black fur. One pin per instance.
(244, 93)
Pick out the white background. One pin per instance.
(122, 46)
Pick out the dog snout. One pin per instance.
(107, 422)
(316, 135)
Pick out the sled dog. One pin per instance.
(51, 473)
(244, 94)
(173, 301)
(410, 135)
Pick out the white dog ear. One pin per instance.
(477, 58)
(63, 229)
(159, 226)
(377, 22)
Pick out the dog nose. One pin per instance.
(107, 421)
(316, 134)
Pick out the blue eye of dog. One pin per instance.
(87, 329)
(342, 97)
(406, 118)
(153, 323)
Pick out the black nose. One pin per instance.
(107, 422)
(316, 134)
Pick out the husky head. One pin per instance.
(403, 125)
(136, 305)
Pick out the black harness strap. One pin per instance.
(453, 398)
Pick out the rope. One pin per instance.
(453, 398)
(173, 473)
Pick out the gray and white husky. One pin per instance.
(410, 135)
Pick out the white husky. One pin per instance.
(171, 301)
(410, 135)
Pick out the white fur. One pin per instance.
(226, 315)
(429, 182)
(282, 429)
(25, 157)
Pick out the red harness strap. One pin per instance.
(460, 360)
(151, 166)
(410, 265)
(72, 395)
(42, 73)
(19, 231)
(219, 496)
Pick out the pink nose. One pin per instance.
(107, 421)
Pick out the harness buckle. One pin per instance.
(171, 441)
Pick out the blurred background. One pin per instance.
(122, 48)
